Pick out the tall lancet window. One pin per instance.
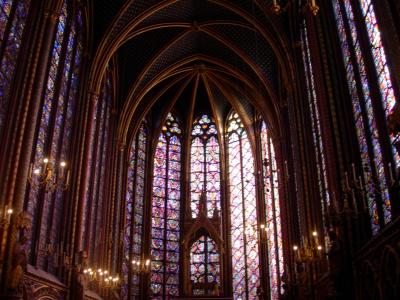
(316, 129)
(54, 134)
(134, 212)
(364, 111)
(205, 169)
(166, 209)
(245, 252)
(13, 15)
(272, 212)
(204, 266)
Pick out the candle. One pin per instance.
(390, 173)
(347, 180)
(353, 169)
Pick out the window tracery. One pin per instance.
(166, 210)
(204, 265)
(205, 169)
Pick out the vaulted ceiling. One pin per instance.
(174, 53)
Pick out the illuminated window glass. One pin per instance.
(53, 134)
(13, 14)
(165, 234)
(134, 213)
(272, 213)
(381, 66)
(364, 117)
(245, 254)
(204, 264)
(204, 168)
(320, 158)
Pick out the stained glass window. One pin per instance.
(205, 170)
(245, 254)
(13, 14)
(204, 265)
(53, 134)
(320, 158)
(363, 111)
(165, 234)
(381, 66)
(94, 198)
(272, 213)
(134, 213)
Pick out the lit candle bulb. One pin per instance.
(390, 173)
(353, 169)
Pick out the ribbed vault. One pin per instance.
(235, 50)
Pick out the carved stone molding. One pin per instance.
(35, 290)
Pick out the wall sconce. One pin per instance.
(49, 175)
(141, 266)
(309, 253)
(6, 217)
(310, 4)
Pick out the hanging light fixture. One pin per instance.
(49, 175)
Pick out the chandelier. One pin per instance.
(310, 252)
(101, 277)
(49, 175)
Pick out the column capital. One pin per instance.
(94, 96)
(121, 146)
(51, 14)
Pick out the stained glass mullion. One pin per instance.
(12, 24)
(165, 218)
(132, 216)
(9, 19)
(243, 216)
(275, 199)
(58, 98)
